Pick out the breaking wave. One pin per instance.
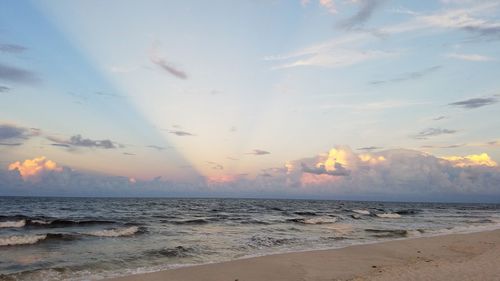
(116, 232)
(19, 223)
(21, 239)
(317, 220)
(362, 212)
(388, 215)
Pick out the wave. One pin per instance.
(362, 212)
(178, 252)
(388, 215)
(116, 232)
(18, 223)
(192, 221)
(25, 221)
(408, 212)
(21, 239)
(318, 220)
(392, 233)
(254, 221)
(305, 213)
(66, 223)
(266, 241)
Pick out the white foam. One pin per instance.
(21, 240)
(362, 212)
(320, 220)
(117, 232)
(40, 222)
(388, 216)
(19, 223)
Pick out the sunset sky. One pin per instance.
(330, 98)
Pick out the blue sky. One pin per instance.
(250, 97)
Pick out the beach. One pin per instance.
(473, 256)
(61, 239)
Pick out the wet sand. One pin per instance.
(474, 256)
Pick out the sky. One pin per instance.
(336, 99)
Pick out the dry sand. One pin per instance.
(474, 256)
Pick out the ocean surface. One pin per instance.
(95, 238)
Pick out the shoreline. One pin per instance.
(469, 256)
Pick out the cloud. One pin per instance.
(329, 5)
(12, 134)
(79, 141)
(164, 65)
(156, 147)
(433, 132)
(470, 57)
(396, 174)
(321, 170)
(337, 58)
(17, 75)
(103, 94)
(181, 133)
(390, 172)
(367, 7)
(439, 118)
(259, 152)
(369, 148)
(12, 48)
(32, 168)
(215, 165)
(466, 19)
(474, 102)
(4, 89)
(409, 76)
(482, 159)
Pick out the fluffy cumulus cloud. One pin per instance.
(482, 159)
(397, 174)
(342, 171)
(33, 168)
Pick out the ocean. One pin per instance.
(96, 238)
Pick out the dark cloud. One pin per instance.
(12, 48)
(10, 144)
(156, 147)
(433, 132)
(61, 145)
(215, 165)
(491, 32)
(321, 170)
(14, 74)
(259, 152)
(409, 76)
(369, 148)
(169, 68)
(4, 89)
(11, 134)
(79, 141)
(367, 7)
(181, 133)
(475, 102)
(444, 146)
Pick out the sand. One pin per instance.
(474, 256)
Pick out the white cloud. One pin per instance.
(329, 5)
(470, 57)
